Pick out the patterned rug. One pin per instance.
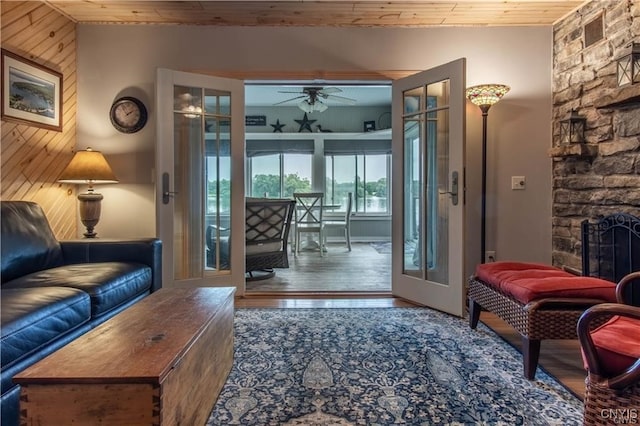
(381, 366)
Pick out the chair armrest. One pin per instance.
(621, 288)
(630, 375)
(147, 251)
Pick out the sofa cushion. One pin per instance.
(33, 317)
(28, 244)
(526, 282)
(109, 284)
(617, 344)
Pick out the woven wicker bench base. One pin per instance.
(535, 321)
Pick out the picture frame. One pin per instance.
(369, 126)
(31, 93)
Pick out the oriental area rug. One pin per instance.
(411, 366)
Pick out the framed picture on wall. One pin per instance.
(31, 93)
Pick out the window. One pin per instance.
(265, 176)
(366, 176)
(362, 167)
(280, 175)
(277, 168)
(297, 174)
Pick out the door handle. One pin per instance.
(454, 189)
(166, 194)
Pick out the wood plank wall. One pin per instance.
(32, 158)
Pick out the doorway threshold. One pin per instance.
(322, 300)
(319, 294)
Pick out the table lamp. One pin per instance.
(88, 167)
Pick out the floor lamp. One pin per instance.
(88, 167)
(484, 96)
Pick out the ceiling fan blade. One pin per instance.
(329, 90)
(286, 91)
(289, 100)
(342, 99)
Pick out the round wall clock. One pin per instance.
(128, 114)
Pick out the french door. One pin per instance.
(200, 179)
(428, 113)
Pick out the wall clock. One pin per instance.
(128, 114)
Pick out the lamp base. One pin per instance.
(90, 207)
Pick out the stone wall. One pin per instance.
(605, 177)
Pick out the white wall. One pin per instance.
(115, 60)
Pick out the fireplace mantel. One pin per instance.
(574, 150)
(626, 97)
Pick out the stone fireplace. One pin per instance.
(602, 175)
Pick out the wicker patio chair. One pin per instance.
(612, 359)
(267, 225)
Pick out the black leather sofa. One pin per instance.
(54, 291)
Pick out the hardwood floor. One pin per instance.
(362, 279)
(363, 269)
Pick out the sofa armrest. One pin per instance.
(147, 251)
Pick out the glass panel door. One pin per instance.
(428, 150)
(197, 139)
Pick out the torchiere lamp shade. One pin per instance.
(88, 167)
(485, 95)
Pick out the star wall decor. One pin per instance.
(277, 127)
(305, 123)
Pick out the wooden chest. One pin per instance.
(163, 361)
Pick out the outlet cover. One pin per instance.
(518, 182)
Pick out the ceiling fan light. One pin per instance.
(306, 106)
(320, 107)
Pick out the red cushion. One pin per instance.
(617, 343)
(526, 290)
(491, 272)
(526, 282)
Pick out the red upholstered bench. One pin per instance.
(540, 301)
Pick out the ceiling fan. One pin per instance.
(313, 98)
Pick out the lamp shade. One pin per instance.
(485, 95)
(88, 167)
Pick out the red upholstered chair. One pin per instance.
(612, 358)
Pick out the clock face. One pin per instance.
(128, 115)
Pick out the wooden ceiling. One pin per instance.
(323, 13)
